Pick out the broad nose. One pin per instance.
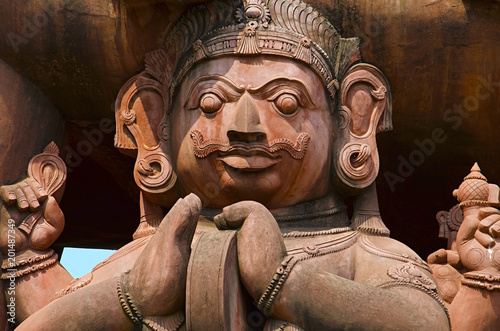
(246, 126)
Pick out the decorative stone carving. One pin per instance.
(467, 273)
(262, 109)
(447, 275)
(449, 223)
(366, 103)
(409, 273)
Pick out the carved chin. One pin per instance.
(249, 185)
(257, 190)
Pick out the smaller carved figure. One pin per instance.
(468, 272)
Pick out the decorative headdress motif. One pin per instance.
(286, 28)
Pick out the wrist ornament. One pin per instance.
(481, 281)
(133, 312)
(27, 262)
(272, 291)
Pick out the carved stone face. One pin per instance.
(252, 129)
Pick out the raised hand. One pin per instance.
(28, 216)
(260, 243)
(157, 281)
(26, 194)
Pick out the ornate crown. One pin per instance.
(286, 28)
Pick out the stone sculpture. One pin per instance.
(467, 273)
(265, 113)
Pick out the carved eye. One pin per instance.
(210, 103)
(287, 103)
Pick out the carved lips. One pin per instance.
(249, 156)
(249, 163)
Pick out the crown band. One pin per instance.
(234, 41)
(290, 29)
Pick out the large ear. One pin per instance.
(139, 112)
(365, 109)
(142, 131)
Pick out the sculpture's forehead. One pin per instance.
(256, 71)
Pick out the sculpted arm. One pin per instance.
(317, 300)
(155, 285)
(92, 308)
(332, 303)
(30, 221)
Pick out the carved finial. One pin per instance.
(52, 149)
(475, 173)
(256, 11)
(474, 189)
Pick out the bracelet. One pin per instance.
(36, 264)
(156, 323)
(128, 306)
(481, 284)
(273, 289)
(28, 257)
(488, 278)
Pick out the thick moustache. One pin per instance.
(253, 152)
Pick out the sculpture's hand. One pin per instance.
(478, 240)
(443, 256)
(29, 216)
(260, 243)
(25, 194)
(445, 266)
(158, 279)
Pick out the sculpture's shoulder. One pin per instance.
(383, 260)
(386, 263)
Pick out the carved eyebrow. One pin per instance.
(220, 85)
(273, 88)
(228, 91)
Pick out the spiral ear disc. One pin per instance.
(154, 174)
(356, 166)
